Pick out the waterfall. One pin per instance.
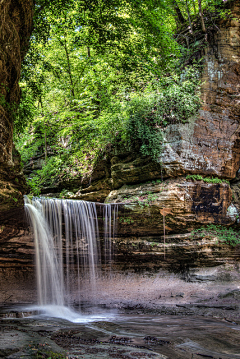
(67, 247)
(48, 266)
(110, 214)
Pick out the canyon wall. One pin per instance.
(206, 145)
(15, 263)
(15, 30)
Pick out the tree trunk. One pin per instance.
(15, 31)
(201, 16)
(69, 68)
(189, 18)
(178, 12)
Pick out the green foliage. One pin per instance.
(227, 235)
(46, 176)
(154, 182)
(125, 220)
(207, 179)
(24, 115)
(141, 129)
(143, 200)
(42, 351)
(85, 62)
(28, 145)
(172, 100)
(104, 75)
(126, 120)
(52, 355)
(35, 185)
(65, 194)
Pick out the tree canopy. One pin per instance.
(102, 72)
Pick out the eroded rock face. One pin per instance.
(206, 146)
(16, 27)
(16, 247)
(133, 169)
(16, 243)
(209, 144)
(188, 205)
(192, 204)
(16, 258)
(179, 254)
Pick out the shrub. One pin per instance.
(207, 179)
(227, 235)
(174, 99)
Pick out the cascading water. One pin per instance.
(110, 214)
(48, 268)
(67, 247)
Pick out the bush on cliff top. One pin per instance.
(173, 100)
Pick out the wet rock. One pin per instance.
(179, 295)
(127, 336)
(120, 340)
(156, 341)
(231, 294)
(202, 278)
(92, 196)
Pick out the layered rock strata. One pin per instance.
(188, 205)
(15, 249)
(16, 258)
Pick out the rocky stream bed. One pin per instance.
(170, 318)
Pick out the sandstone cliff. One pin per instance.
(15, 30)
